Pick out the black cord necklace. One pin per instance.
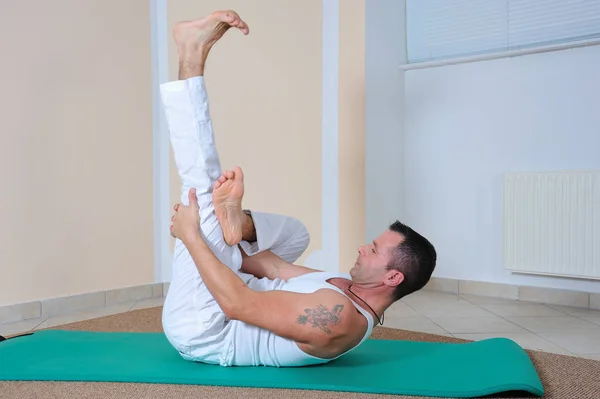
(374, 312)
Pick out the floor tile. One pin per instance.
(428, 297)
(400, 309)
(522, 309)
(592, 357)
(148, 303)
(595, 320)
(525, 340)
(85, 315)
(20, 326)
(578, 343)
(451, 309)
(420, 324)
(555, 296)
(556, 324)
(482, 300)
(465, 325)
(579, 312)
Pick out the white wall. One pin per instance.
(385, 50)
(468, 124)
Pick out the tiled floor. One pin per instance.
(549, 328)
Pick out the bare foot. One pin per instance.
(227, 198)
(194, 39)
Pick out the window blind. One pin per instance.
(442, 29)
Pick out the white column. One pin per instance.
(385, 48)
(329, 191)
(160, 74)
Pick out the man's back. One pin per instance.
(345, 325)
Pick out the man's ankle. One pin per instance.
(190, 69)
(248, 230)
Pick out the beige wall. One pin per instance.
(76, 148)
(265, 96)
(76, 153)
(351, 139)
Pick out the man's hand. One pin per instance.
(186, 219)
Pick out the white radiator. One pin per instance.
(552, 223)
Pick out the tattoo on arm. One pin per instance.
(321, 317)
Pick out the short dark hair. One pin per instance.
(415, 257)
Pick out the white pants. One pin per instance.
(192, 320)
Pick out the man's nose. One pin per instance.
(361, 250)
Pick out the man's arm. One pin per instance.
(267, 264)
(319, 321)
(222, 282)
(323, 323)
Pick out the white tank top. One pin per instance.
(253, 346)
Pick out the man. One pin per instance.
(235, 297)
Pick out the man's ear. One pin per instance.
(393, 278)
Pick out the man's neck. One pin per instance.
(375, 297)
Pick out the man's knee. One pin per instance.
(301, 235)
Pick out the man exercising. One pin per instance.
(236, 298)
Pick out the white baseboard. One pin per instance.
(552, 296)
(74, 303)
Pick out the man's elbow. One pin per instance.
(230, 311)
(235, 308)
(332, 343)
(326, 347)
(322, 342)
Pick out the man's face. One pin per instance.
(372, 260)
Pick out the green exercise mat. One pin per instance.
(378, 366)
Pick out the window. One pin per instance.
(443, 29)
